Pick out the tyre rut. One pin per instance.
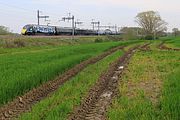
(163, 47)
(24, 103)
(94, 106)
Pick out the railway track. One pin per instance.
(24, 103)
(94, 106)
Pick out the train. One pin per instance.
(32, 29)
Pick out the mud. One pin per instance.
(163, 47)
(99, 97)
(24, 103)
(145, 47)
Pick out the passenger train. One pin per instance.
(32, 29)
(54, 30)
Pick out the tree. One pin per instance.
(151, 23)
(175, 31)
(4, 30)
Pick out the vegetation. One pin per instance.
(149, 88)
(23, 70)
(17, 41)
(173, 42)
(4, 30)
(61, 103)
(131, 33)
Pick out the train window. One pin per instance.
(26, 27)
(50, 30)
(45, 29)
(30, 29)
(35, 28)
(40, 29)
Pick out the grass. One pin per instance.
(149, 90)
(173, 42)
(22, 70)
(170, 103)
(18, 41)
(12, 41)
(61, 103)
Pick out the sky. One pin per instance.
(17, 13)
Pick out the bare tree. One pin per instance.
(151, 23)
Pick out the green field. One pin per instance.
(60, 104)
(148, 90)
(25, 68)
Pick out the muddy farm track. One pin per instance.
(94, 106)
(25, 102)
(163, 47)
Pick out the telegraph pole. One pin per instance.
(94, 23)
(116, 29)
(73, 23)
(77, 23)
(98, 26)
(73, 29)
(39, 16)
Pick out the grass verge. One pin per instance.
(149, 88)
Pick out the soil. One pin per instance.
(145, 47)
(163, 47)
(24, 103)
(94, 106)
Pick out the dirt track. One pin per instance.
(94, 106)
(25, 102)
(163, 47)
(145, 47)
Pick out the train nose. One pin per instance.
(23, 32)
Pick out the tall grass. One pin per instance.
(62, 102)
(23, 71)
(170, 102)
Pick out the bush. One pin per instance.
(98, 40)
(19, 43)
(149, 37)
(14, 44)
(4, 30)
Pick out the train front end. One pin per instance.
(23, 31)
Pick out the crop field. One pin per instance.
(89, 78)
(62, 101)
(23, 70)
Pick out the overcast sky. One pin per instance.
(17, 13)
